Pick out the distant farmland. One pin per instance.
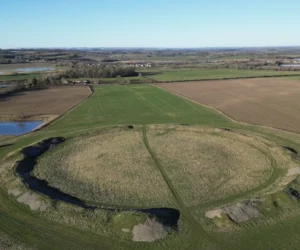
(189, 74)
(270, 102)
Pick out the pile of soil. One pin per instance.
(150, 231)
(239, 212)
(243, 211)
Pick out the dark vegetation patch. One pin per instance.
(293, 193)
(293, 152)
(227, 129)
(5, 145)
(99, 71)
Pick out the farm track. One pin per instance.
(34, 228)
(44, 228)
(101, 109)
(183, 209)
(150, 105)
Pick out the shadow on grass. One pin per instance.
(5, 145)
(152, 73)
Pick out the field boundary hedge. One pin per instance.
(46, 124)
(225, 78)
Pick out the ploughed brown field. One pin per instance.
(52, 101)
(273, 102)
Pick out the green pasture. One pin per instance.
(19, 77)
(170, 75)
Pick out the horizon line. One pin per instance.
(149, 47)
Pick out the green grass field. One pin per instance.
(189, 74)
(172, 75)
(19, 77)
(295, 78)
(136, 104)
(64, 226)
(235, 57)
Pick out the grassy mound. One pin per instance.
(110, 168)
(114, 167)
(206, 166)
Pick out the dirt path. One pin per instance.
(199, 230)
(149, 104)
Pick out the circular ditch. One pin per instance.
(116, 168)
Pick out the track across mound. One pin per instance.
(116, 167)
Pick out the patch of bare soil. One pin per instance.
(33, 201)
(272, 102)
(150, 231)
(14, 192)
(214, 213)
(294, 171)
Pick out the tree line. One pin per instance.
(77, 71)
(99, 71)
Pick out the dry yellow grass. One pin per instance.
(205, 166)
(113, 168)
(9, 180)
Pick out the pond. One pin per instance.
(290, 65)
(18, 128)
(34, 69)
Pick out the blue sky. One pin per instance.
(149, 23)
